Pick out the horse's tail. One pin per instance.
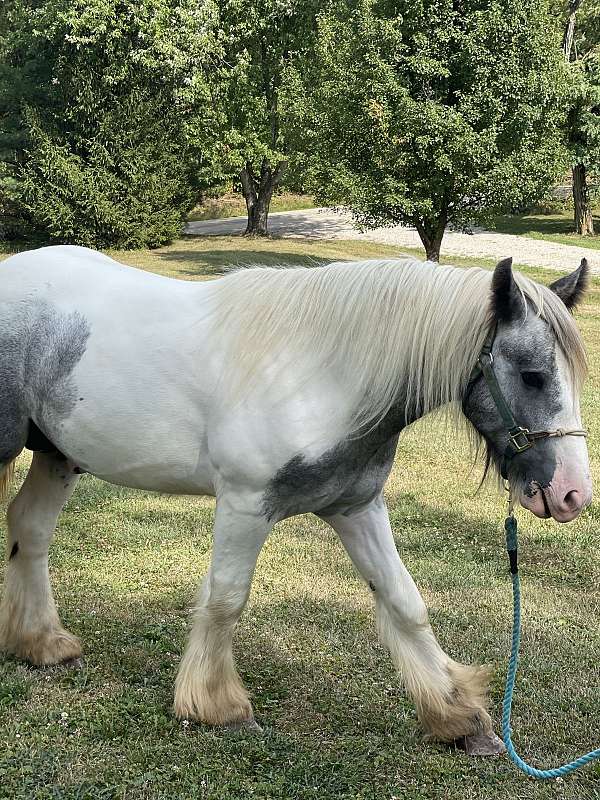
(7, 473)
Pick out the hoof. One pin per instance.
(47, 649)
(75, 663)
(249, 726)
(483, 744)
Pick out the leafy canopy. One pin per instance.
(584, 111)
(260, 40)
(429, 112)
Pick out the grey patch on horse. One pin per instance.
(540, 465)
(39, 349)
(343, 479)
(14, 551)
(532, 408)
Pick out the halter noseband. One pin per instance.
(519, 438)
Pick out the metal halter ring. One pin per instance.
(519, 439)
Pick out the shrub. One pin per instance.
(110, 132)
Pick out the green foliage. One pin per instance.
(430, 113)
(584, 112)
(108, 127)
(260, 39)
(126, 194)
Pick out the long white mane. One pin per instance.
(395, 330)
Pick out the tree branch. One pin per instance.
(279, 170)
(248, 181)
(570, 28)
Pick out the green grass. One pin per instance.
(551, 227)
(233, 205)
(125, 565)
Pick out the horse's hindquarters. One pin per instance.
(111, 365)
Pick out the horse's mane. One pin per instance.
(386, 328)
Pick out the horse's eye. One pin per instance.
(534, 379)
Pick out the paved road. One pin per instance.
(324, 223)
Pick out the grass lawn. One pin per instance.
(553, 227)
(233, 205)
(125, 565)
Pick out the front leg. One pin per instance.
(208, 687)
(450, 698)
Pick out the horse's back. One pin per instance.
(62, 271)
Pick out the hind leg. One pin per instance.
(29, 624)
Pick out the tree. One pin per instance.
(430, 113)
(581, 46)
(100, 101)
(260, 39)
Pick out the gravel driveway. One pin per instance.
(324, 223)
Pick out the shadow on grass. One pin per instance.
(218, 262)
(427, 536)
(543, 225)
(442, 548)
(321, 741)
(314, 667)
(448, 566)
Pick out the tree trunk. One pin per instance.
(257, 191)
(431, 233)
(570, 28)
(584, 221)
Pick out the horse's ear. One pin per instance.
(507, 302)
(572, 287)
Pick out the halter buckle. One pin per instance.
(519, 439)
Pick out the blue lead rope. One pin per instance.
(510, 526)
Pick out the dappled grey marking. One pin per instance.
(349, 475)
(532, 408)
(39, 348)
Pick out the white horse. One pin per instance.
(280, 392)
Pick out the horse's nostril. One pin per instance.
(571, 500)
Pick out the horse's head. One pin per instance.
(538, 362)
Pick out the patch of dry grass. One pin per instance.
(233, 204)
